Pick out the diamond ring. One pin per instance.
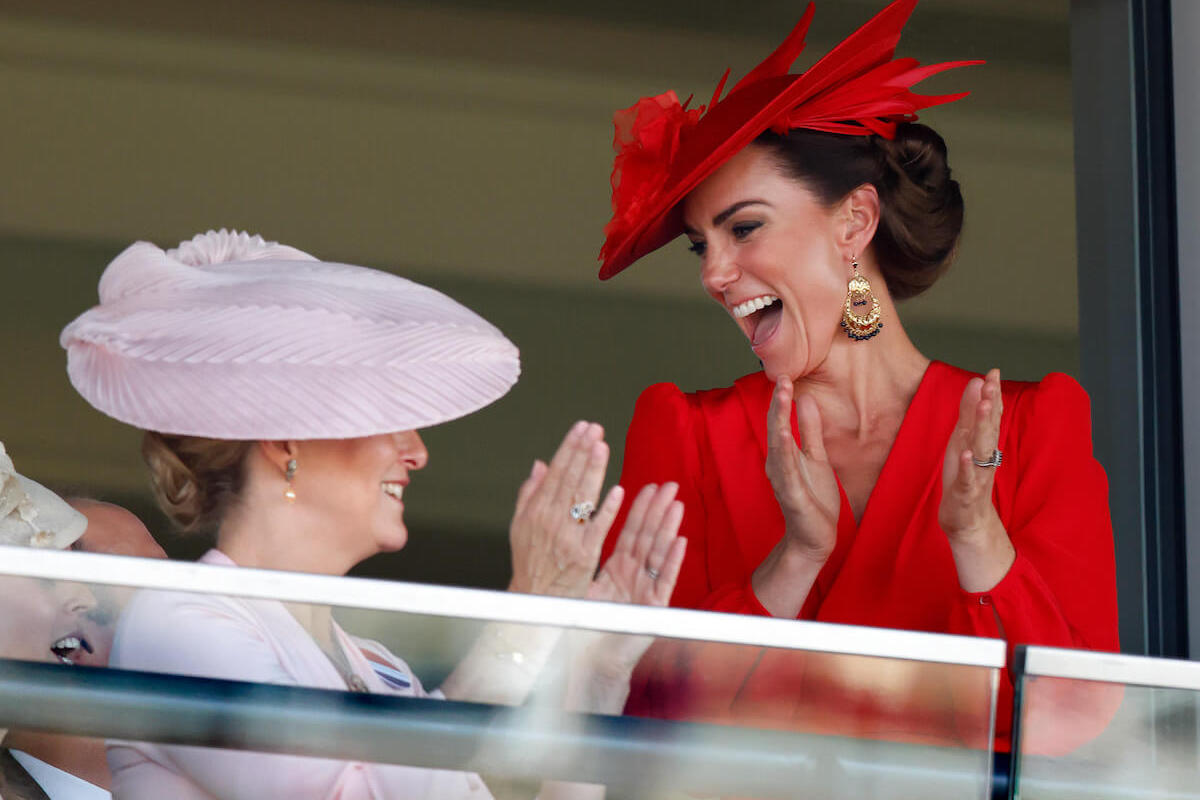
(652, 572)
(582, 512)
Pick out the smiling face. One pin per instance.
(355, 487)
(770, 254)
(42, 620)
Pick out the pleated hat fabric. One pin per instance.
(233, 337)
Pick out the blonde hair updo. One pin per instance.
(195, 479)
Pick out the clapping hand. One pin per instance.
(645, 563)
(981, 547)
(966, 508)
(642, 569)
(803, 479)
(556, 531)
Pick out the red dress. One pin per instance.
(895, 568)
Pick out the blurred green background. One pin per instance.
(467, 145)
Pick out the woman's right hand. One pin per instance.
(804, 483)
(552, 552)
(807, 492)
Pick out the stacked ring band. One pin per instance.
(994, 461)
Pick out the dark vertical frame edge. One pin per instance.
(1008, 789)
(1158, 273)
(1128, 309)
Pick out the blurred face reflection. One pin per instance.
(114, 530)
(43, 620)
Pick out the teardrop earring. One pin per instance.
(860, 326)
(288, 475)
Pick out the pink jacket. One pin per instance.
(260, 641)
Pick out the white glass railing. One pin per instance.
(747, 706)
(1104, 725)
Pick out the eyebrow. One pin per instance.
(729, 212)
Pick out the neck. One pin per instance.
(267, 532)
(83, 758)
(862, 384)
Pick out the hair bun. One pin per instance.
(919, 153)
(922, 209)
(194, 479)
(920, 205)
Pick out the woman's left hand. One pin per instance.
(642, 569)
(982, 550)
(645, 563)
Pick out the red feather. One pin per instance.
(859, 88)
(781, 60)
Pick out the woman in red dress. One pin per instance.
(853, 479)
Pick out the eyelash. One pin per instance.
(743, 229)
(740, 231)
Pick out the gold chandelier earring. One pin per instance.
(290, 493)
(861, 318)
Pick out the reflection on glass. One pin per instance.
(825, 693)
(761, 721)
(1083, 738)
(47, 620)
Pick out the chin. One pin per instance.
(796, 362)
(776, 368)
(780, 358)
(772, 370)
(393, 541)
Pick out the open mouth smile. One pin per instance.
(68, 648)
(760, 317)
(742, 310)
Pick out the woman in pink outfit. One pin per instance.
(282, 398)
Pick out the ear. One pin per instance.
(278, 453)
(858, 214)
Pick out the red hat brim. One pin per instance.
(858, 88)
(721, 134)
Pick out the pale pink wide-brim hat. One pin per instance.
(232, 337)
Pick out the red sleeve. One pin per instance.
(1061, 589)
(666, 442)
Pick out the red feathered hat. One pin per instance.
(664, 149)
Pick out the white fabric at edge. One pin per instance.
(57, 784)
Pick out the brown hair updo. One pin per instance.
(921, 206)
(195, 480)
